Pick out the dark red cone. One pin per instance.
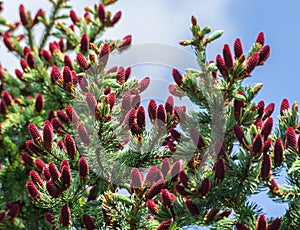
(260, 38)
(83, 134)
(238, 48)
(65, 215)
(227, 55)
(83, 168)
(266, 166)
(192, 207)
(32, 189)
(70, 146)
(284, 106)
(278, 151)
(39, 103)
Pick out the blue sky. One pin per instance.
(168, 21)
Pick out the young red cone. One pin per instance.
(141, 117)
(238, 48)
(32, 189)
(192, 207)
(241, 226)
(152, 110)
(220, 169)
(52, 189)
(62, 116)
(57, 125)
(177, 77)
(82, 62)
(257, 145)
(101, 13)
(23, 16)
(126, 42)
(204, 187)
(290, 138)
(54, 172)
(143, 85)
(103, 56)
(49, 218)
(83, 168)
(264, 54)
(66, 177)
(88, 222)
(30, 60)
(181, 190)
(278, 151)
(136, 178)
(267, 145)
(165, 166)
(46, 173)
(34, 133)
(165, 225)
(151, 175)
(268, 110)
(39, 103)
(267, 128)
(111, 98)
(183, 178)
(6, 97)
(161, 115)
(239, 133)
(83, 134)
(175, 170)
(266, 167)
(55, 74)
(252, 62)
(262, 223)
(275, 225)
(84, 43)
(115, 18)
(152, 207)
(39, 164)
(31, 147)
(74, 17)
(35, 178)
(155, 189)
(26, 158)
(227, 55)
(72, 115)
(166, 198)
(260, 38)
(65, 215)
(284, 106)
(70, 146)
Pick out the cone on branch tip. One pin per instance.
(204, 187)
(39, 103)
(238, 48)
(284, 106)
(83, 134)
(83, 168)
(192, 207)
(177, 77)
(136, 178)
(262, 223)
(290, 138)
(88, 222)
(65, 215)
(278, 151)
(260, 38)
(266, 166)
(227, 55)
(155, 189)
(32, 189)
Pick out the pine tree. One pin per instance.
(79, 150)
